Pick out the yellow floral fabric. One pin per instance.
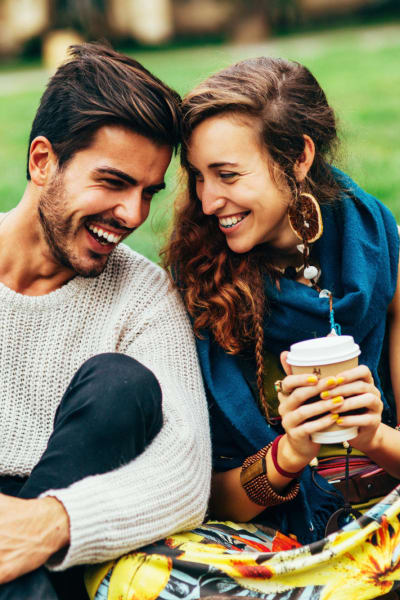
(359, 562)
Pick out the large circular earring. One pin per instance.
(305, 220)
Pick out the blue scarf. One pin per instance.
(358, 254)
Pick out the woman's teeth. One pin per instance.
(104, 237)
(231, 221)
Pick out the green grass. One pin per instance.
(358, 68)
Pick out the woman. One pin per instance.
(257, 137)
(266, 224)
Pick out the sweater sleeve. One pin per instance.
(166, 488)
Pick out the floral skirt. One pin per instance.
(360, 561)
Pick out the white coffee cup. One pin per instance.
(326, 357)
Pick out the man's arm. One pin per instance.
(163, 490)
(166, 488)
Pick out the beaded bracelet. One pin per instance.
(274, 456)
(255, 482)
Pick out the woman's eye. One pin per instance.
(228, 175)
(198, 176)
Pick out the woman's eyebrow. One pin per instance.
(223, 164)
(215, 165)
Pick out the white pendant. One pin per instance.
(300, 248)
(324, 294)
(310, 272)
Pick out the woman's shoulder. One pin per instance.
(351, 189)
(355, 198)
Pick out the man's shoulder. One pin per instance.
(124, 259)
(139, 286)
(126, 254)
(133, 273)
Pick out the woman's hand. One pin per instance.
(359, 392)
(350, 390)
(296, 449)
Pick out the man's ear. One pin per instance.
(305, 160)
(286, 367)
(42, 160)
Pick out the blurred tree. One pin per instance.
(20, 21)
(259, 18)
(88, 17)
(149, 22)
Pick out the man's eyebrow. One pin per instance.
(156, 187)
(122, 175)
(115, 173)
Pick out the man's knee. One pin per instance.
(116, 390)
(122, 374)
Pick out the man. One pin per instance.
(119, 456)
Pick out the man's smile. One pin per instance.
(102, 235)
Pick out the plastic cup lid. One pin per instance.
(323, 351)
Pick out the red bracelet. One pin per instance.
(274, 456)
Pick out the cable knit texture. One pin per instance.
(130, 308)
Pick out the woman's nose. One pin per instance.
(211, 200)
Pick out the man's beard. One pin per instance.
(60, 232)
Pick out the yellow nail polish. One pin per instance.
(339, 421)
(331, 381)
(337, 400)
(339, 380)
(312, 379)
(325, 395)
(334, 417)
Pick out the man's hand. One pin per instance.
(30, 532)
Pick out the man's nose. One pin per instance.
(132, 211)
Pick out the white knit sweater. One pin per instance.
(130, 308)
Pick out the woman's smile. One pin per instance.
(231, 223)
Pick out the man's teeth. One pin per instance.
(110, 238)
(230, 221)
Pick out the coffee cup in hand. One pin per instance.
(325, 357)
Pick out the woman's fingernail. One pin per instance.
(339, 380)
(334, 417)
(331, 381)
(337, 400)
(325, 395)
(339, 421)
(312, 379)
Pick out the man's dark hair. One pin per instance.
(99, 86)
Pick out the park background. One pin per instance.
(351, 46)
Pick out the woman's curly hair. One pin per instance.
(223, 290)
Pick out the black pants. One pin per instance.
(110, 412)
